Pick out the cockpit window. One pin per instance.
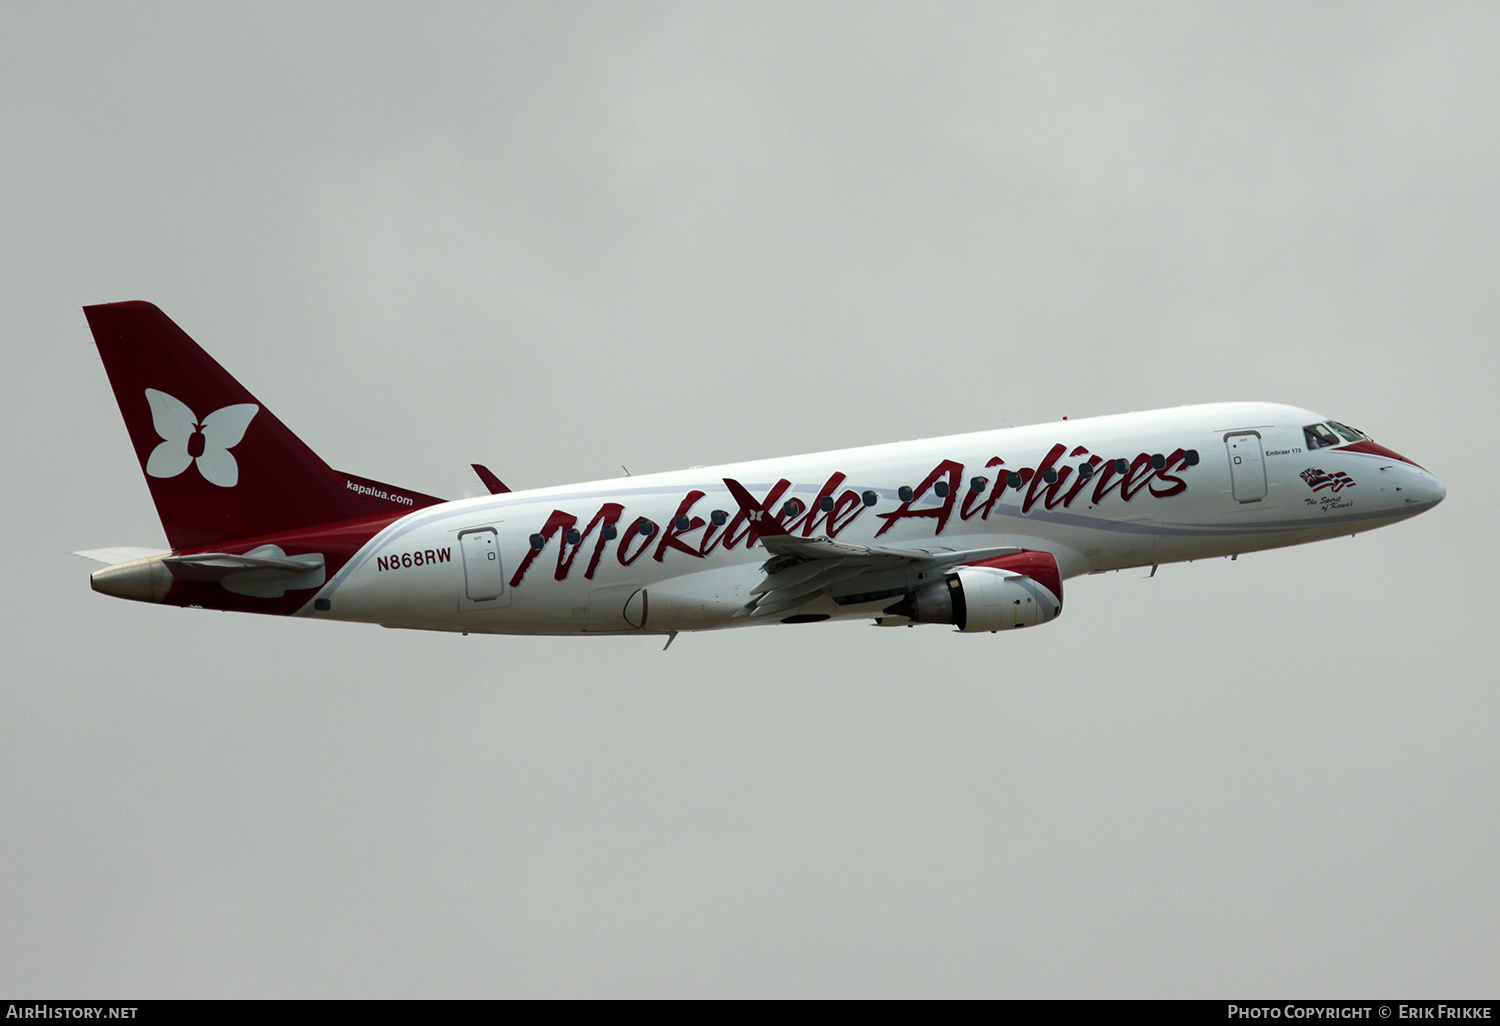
(1319, 435)
(1349, 433)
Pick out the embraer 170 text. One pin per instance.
(978, 531)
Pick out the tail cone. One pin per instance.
(141, 580)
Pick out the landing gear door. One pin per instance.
(1247, 466)
(607, 608)
(484, 580)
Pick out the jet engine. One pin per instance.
(995, 595)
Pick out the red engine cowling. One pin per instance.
(1019, 590)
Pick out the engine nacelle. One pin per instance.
(989, 597)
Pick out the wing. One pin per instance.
(802, 571)
(174, 424)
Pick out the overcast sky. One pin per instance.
(558, 238)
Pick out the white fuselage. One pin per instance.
(473, 565)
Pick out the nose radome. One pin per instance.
(1429, 491)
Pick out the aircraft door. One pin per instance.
(483, 578)
(1247, 466)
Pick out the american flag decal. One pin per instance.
(1318, 480)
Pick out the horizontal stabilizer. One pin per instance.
(213, 566)
(264, 572)
(120, 553)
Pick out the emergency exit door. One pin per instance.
(1247, 466)
(483, 578)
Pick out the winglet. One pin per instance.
(762, 522)
(493, 483)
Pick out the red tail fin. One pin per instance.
(219, 464)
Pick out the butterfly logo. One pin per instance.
(186, 439)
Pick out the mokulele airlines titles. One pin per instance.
(976, 531)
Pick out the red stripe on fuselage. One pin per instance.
(1376, 449)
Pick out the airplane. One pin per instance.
(974, 531)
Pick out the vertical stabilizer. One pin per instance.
(219, 464)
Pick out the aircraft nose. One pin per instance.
(1428, 491)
